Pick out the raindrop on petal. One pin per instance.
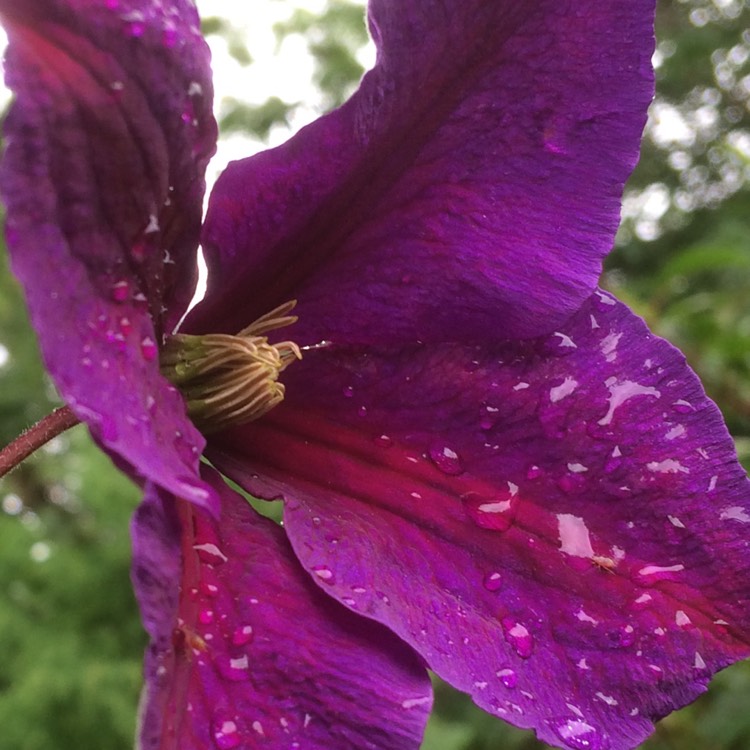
(518, 637)
(324, 573)
(225, 733)
(210, 554)
(496, 512)
(447, 460)
(578, 735)
(120, 291)
(508, 677)
(493, 581)
(149, 349)
(242, 635)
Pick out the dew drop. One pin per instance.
(348, 391)
(208, 589)
(242, 635)
(446, 459)
(120, 291)
(534, 472)
(225, 734)
(384, 441)
(170, 37)
(210, 554)
(496, 512)
(149, 349)
(518, 637)
(622, 637)
(682, 407)
(324, 573)
(493, 581)
(206, 616)
(577, 734)
(236, 669)
(508, 677)
(649, 575)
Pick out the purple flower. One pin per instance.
(490, 468)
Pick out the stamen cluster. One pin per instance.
(228, 380)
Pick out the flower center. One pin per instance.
(228, 380)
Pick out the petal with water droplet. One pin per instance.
(259, 651)
(590, 588)
(99, 175)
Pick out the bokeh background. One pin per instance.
(70, 638)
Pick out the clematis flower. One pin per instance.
(489, 467)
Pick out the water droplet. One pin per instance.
(210, 554)
(496, 512)
(518, 637)
(622, 637)
(237, 669)
(534, 472)
(493, 581)
(649, 575)
(682, 407)
(206, 616)
(508, 677)
(120, 291)
(384, 441)
(149, 349)
(348, 391)
(447, 460)
(208, 589)
(488, 417)
(362, 411)
(170, 37)
(578, 734)
(324, 573)
(242, 635)
(225, 733)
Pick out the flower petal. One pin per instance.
(103, 178)
(557, 526)
(253, 650)
(474, 177)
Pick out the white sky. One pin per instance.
(285, 71)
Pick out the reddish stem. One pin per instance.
(35, 437)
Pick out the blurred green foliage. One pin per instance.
(70, 638)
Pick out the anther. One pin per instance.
(228, 380)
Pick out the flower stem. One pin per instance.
(35, 437)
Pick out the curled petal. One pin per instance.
(557, 526)
(250, 651)
(103, 177)
(474, 177)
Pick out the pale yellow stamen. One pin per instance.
(228, 380)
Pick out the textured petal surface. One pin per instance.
(107, 143)
(559, 527)
(251, 653)
(475, 176)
